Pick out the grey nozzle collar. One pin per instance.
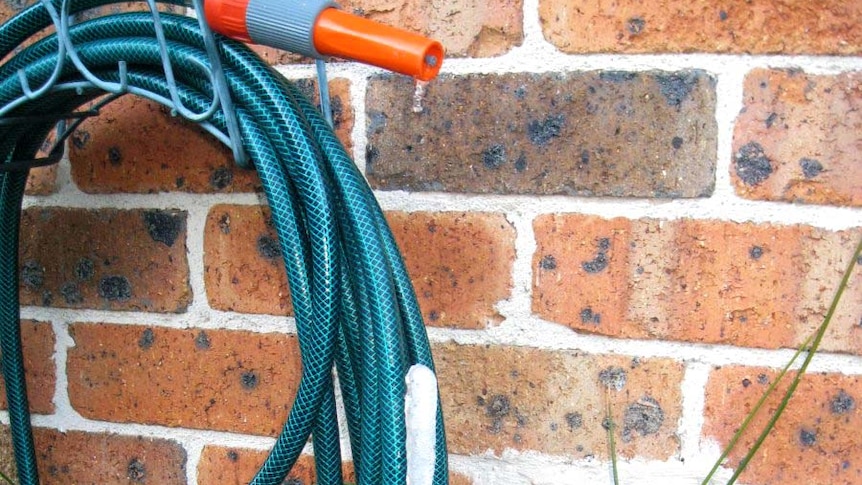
(287, 25)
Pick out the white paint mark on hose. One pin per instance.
(420, 408)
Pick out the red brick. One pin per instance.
(135, 145)
(243, 268)
(797, 138)
(79, 457)
(104, 259)
(694, 280)
(815, 441)
(648, 134)
(460, 264)
(219, 465)
(497, 397)
(38, 344)
(42, 181)
(732, 26)
(203, 379)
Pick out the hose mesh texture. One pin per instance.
(354, 304)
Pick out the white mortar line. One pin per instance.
(62, 404)
(693, 402)
(358, 91)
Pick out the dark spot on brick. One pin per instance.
(756, 252)
(202, 341)
(845, 464)
(810, 167)
(585, 158)
(71, 293)
(115, 288)
(148, 338)
(645, 416)
(521, 163)
(496, 426)
(554, 426)
(248, 379)
(635, 25)
(587, 316)
(114, 156)
(337, 107)
(32, 274)
(80, 138)
(722, 15)
(85, 269)
(752, 165)
(596, 265)
(521, 92)
(268, 247)
(762, 379)
(221, 178)
(47, 298)
(842, 403)
(494, 156)
(604, 244)
(498, 406)
(434, 315)
(770, 120)
(574, 420)
(746, 382)
(607, 423)
(371, 155)
(807, 437)
(516, 438)
(613, 378)
(548, 262)
(676, 142)
(618, 76)
(677, 87)
(232, 455)
(520, 419)
(180, 182)
(541, 132)
(136, 471)
(163, 226)
(224, 223)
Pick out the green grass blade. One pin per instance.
(612, 444)
(6, 479)
(754, 411)
(795, 383)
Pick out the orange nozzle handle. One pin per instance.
(341, 34)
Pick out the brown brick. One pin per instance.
(555, 402)
(38, 344)
(596, 133)
(733, 26)
(202, 379)
(699, 281)
(42, 181)
(135, 145)
(243, 268)
(797, 138)
(105, 259)
(816, 439)
(79, 457)
(460, 264)
(219, 465)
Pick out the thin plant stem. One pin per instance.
(612, 444)
(6, 479)
(798, 377)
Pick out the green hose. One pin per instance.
(353, 302)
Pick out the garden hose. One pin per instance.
(353, 301)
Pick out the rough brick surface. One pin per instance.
(135, 145)
(699, 281)
(42, 181)
(460, 264)
(734, 26)
(555, 402)
(224, 380)
(38, 344)
(816, 439)
(106, 459)
(104, 259)
(219, 465)
(243, 267)
(797, 138)
(648, 134)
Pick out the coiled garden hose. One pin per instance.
(353, 302)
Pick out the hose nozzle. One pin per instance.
(316, 28)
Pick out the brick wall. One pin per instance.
(646, 204)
